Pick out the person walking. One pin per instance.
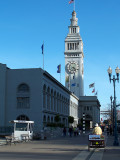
(97, 130)
(64, 131)
(70, 131)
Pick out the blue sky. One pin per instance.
(25, 24)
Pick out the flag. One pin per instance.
(71, 1)
(42, 47)
(67, 79)
(59, 68)
(73, 84)
(93, 90)
(91, 85)
(96, 94)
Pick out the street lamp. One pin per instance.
(112, 112)
(117, 70)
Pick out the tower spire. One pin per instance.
(74, 74)
(74, 19)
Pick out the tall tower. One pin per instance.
(74, 59)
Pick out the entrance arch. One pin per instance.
(88, 118)
(22, 117)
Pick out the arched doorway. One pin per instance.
(22, 117)
(88, 118)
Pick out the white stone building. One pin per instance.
(33, 94)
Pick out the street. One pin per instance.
(63, 148)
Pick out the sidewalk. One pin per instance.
(111, 152)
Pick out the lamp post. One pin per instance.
(116, 142)
(112, 116)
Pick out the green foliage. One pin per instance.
(70, 119)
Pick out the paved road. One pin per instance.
(64, 148)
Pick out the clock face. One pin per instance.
(72, 67)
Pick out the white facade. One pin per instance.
(33, 94)
(74, 70)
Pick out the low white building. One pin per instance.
(33, 94)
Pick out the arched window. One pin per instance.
(23, 117)
(60, 104)
(57, 102)
(48, 119)
(44, 96)
(51, 100)
(23, 96)
(48, 98)
(44, 118)
(23, 88)
(51, 119)
(54, 101)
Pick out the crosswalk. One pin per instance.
(90, 155)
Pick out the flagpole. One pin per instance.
(60, 76)
(43, 55)
(74, 5)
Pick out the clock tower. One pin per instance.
(74, 70)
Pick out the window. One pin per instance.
(22, 88)
(44, 118)
(52, 100)
(22, 117)
(23, 98)
(23, 102)
(75, 30)
(44, 96)
(48, 98)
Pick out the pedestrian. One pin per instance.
(97, 130)
(80, 129)
(70, 131)
(75, 131)
(111, 130)
(107, 130)
(64, 131)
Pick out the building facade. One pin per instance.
(33, 94)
